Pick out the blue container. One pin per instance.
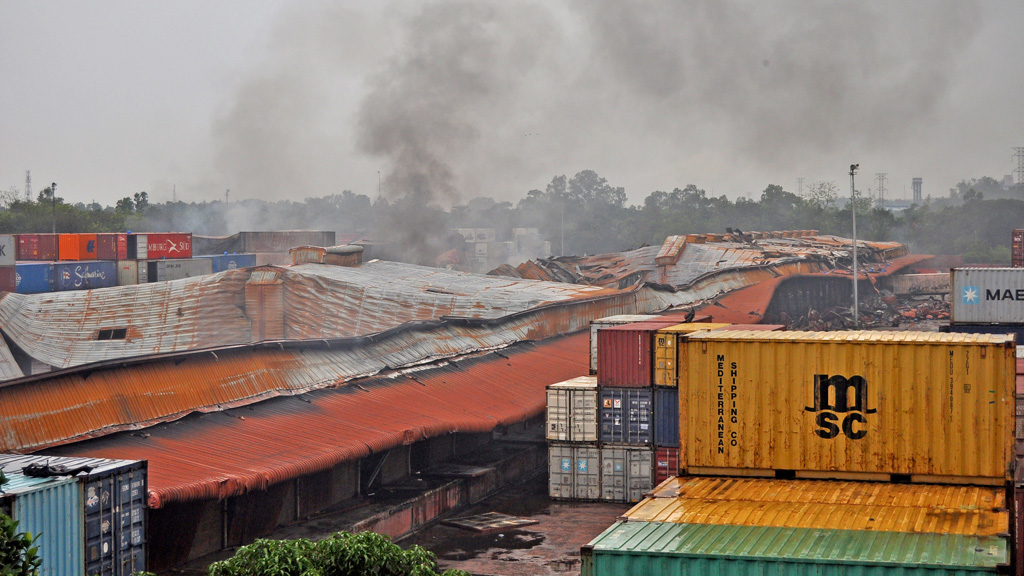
(223, 262)
(34, 277)
(666, 417)
(624, 415)
(1016, 329)
(51, 508)
(84, 275)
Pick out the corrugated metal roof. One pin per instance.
(60, 328)
(845, 547)
(968, 510)
(236, 451)
(8, 365)
(102, 398)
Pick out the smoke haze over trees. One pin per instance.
(584, 211)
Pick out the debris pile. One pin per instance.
(878, 311)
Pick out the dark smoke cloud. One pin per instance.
(454, 99)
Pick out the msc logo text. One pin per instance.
(838, 413)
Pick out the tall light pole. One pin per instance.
(853, 210)
(53, 206)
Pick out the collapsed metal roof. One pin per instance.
(239, 451)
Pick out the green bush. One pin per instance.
(342, 554)
(18, 553)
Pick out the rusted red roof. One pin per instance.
(235, 451)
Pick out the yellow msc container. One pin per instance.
(924, 407)
(666, 349)
(827, 505)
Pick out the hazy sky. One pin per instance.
(282, 99)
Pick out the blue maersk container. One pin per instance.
(223, 262)
(34, 277)
(84, 275)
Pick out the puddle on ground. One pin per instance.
(464, 546)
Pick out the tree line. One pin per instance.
(582, 214)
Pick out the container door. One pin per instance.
(666, 417)
(558, 414)
(588, 473)
(641, 476)
(613, 473)
(560, 471)
(584, 416)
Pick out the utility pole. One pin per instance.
(853, 210)
(1018, 154)
(53, 206)
(227, 193)
(28, 185)
(800, 187)
(881, 188)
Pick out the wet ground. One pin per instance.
(552, 546)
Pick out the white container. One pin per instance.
(481, 249)
(987, 296)
(626, 473)
(607, 322)
(485, 235)
(574, 471)
(8, 247)
(163, 270)
(572, 410)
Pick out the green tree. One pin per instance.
(19, 555)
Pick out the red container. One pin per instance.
(38, 247)
(8, 279)
(168, 245)
(666, 464)
(1017, 249)
(624, 358)
(111, 246)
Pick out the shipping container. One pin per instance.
(572, 410)
(626, 473)
(625, 415)
(77, 246)
(666, 464)
(608, 322)
(226, 262)
(8, 249)
(624, 355)
(931, 407)
(574, 471)
(485, 234)
(1017, 249)
(828, 505)
(1016, 330)
(755, 327)
(628, 548)
(8, 279)
(666, 417)
(84, 275)
(44, 247)
(50, 508)
(157, 245)
(128, 272)
(114, 510)
(176, 269)
(666, 349)
(34, 277)
(987, 296)
(111, 246)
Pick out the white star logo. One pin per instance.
(970, 295)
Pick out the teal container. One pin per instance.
(629, 548)
(52, 509)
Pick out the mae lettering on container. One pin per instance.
(936, 406)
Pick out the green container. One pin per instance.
(629, 548)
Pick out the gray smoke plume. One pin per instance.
(461, 99)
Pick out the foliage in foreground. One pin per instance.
(342, 554)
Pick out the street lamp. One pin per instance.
(853, 210)
(53, 206)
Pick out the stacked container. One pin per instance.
(104, 522)
(52, 510)
(987, 301)
(573, 455)
(927, 418)
(8, 274)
